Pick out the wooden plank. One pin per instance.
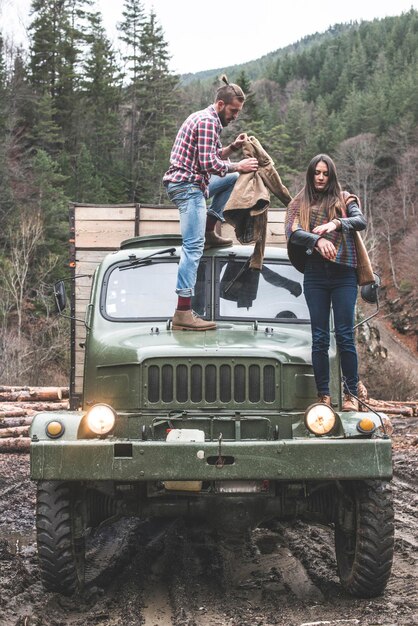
(102, 234)
(278, 240)
(79, 365)
(170, 214)
(82, 292)
(80, 332)
(83, 213)
(276, 215)
(91, 258)
(80, 309)
(83, 281)
(159, 228)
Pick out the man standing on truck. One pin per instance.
(199, 169)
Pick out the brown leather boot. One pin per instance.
(213, 240)
(325, 400)
(188, 320)
(349, 403)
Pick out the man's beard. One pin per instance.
(221, 116)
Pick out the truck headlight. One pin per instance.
(320, 419)
(101, 419)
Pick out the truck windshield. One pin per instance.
(149, 291)
(275, 293)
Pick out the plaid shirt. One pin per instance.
(196, 153)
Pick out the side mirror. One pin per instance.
(370, 293)
(60, 296)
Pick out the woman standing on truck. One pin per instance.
(320, 222)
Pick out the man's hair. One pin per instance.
(229, 91)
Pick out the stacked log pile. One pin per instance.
(18, 405)
(390, 407)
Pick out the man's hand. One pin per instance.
(247, 165)
(236, 145)
(326, 248)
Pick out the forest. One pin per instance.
(84, 121)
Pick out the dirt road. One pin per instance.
(171, 574)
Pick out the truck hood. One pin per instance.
(287, 343)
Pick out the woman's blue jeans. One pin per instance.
(329, 284)
(191, 203)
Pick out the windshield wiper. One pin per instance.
(146, 260)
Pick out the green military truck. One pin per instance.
(221, 426)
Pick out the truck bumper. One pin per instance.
(122, 460)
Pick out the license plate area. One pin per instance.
(231, 428)
(241, 486)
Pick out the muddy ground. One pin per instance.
(175, 574)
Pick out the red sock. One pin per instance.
(210, 223)
(184, 304)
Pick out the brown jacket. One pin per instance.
(248, 204)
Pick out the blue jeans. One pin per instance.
(325, 284)
(191, 203)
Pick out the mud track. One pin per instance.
(176, 574)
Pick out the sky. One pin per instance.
(202, 35)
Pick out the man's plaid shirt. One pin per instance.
(196, 153)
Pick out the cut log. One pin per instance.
(392, 410)
(17, 431)
(29, 394)
(6, 388)
(33, 407)
(15, 444)
(12, 412)
(12, 422)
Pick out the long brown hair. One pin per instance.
(330, 198)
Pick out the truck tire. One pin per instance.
(60, 551)
(364, 537)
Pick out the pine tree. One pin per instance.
(150, 103)
(49, 24)
(101, 99)
(58, 40)
(86, 184)
(250, 110)
(5, 196)
(131, 30)
(46, 133)
(298, 124)
(156, 88)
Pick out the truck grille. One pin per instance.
(235, 384)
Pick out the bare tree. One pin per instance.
(23, 240)
(356, 158)
(19, 272)
(406, 182)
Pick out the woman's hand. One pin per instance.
(325, 228)
(326, 248)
